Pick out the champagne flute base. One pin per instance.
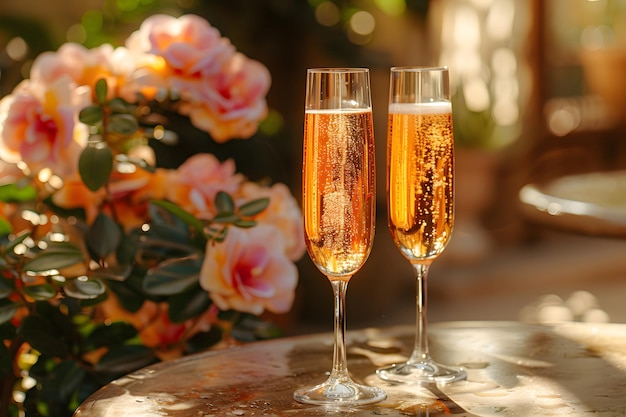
(339, 393)
(421, 372)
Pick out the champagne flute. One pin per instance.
(420, 196)
(339, 206)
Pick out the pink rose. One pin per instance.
(232, 103)
(149, 78)
(39, 125)
(86, 66)
(283, 212)
(68, 61)
(223, 92)
(189, 45)
(196, 182)
(249, 271)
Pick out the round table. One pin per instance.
(514, 369)
(592, 203)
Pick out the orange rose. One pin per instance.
(155, 328)
(74, 194)
(130, 189)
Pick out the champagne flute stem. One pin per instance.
(420, 349)
(339, 388)
(420, 367)
(340, 369)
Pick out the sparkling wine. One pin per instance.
(420, 168)
(339, 189)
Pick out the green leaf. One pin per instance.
(84, 288)
(64, 380)
(118, 273)
(6, 287)
(5, 227)
(130, 298)
(124, 124)
(41, 292)
(156, 249)
(7, 331)
(224, 202)
(57, 255)
(119, 105)
(58, 318)
(250, 328)
(101, 90)
(218, 235)
(168, 227)
(7, 311)
(189, 304)
(125, 359)
(125, 254)
(225, 217)
(17, 192)
(103, 237)
(5, 361)
(91, 115)
(204, 340)
(91, 302)
(172, 276)
(180, 213)
(254, 207)
(114, 334)
(245, 223)
(228, 315)
(95, 165)
(21, 237)
(43, 336)
(267, 331)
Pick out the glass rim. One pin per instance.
(409, 68)
(338, 70)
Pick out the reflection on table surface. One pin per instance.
(514, 369)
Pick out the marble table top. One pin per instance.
(514, 369)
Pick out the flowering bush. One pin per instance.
(109, 263)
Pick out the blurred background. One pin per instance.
(539, 98)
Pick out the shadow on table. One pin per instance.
(521, 369)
